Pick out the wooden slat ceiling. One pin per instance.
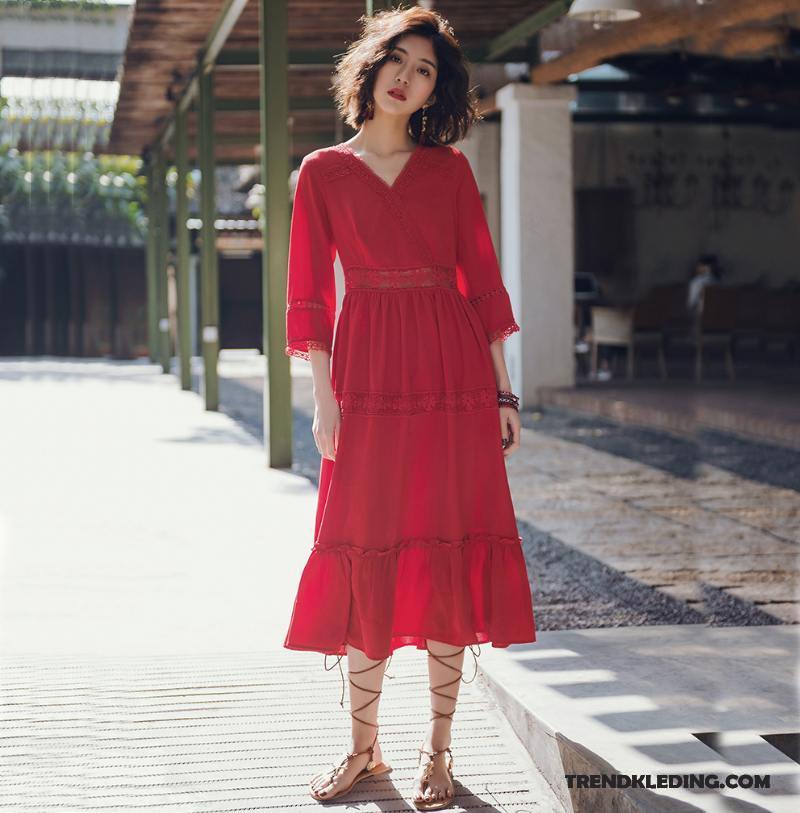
(166, 36)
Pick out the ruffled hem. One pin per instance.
(417, 639)
(471, 590)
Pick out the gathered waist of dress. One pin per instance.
(424, 276)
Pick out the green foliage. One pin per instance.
(71, 197)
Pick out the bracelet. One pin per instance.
(505, 398)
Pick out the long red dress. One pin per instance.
(415, 533)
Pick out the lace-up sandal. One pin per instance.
(372, 768)
(440, 804)
(434, 804)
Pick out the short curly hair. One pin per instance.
(455, 109)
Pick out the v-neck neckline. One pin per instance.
(370, 172)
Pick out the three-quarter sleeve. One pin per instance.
(478, 272)
(310, 285)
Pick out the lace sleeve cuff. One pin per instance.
(300, 348)
(494, 310)
(309, 326)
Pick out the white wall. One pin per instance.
(750, 245)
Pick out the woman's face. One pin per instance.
(409, 73)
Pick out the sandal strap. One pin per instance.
(354, 671)
(436, 689)
(376, 692)
(353, 754)
(432, 754)
(336, 768)
(429, 764)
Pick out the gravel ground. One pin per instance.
(762, 462)
(574, 591)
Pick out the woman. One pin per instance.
(415, 541)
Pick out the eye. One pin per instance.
(425, 71)
(395, 56)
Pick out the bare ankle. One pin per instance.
(439, 737)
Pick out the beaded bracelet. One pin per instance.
(505, 398)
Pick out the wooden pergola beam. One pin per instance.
(751, 41)
(520, 33)
(658, 30)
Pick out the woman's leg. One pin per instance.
(366, 682)
(445, 672)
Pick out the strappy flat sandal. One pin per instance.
(440, 804)
(372, 768)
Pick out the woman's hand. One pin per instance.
(326, 425)
(510, 427)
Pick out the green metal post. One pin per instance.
(162, 249)
(208, 258)
(182, 250)
(273, 79)
(150, 262)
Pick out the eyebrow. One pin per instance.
(422, 58)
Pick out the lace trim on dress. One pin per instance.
(476, 299)
(305, 303)
(387, 403)
(504, 332)
(311, 344)
(416, 542)
(414, 277)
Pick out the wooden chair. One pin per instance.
(717, 325)
(612, 326)
(752, 312)
(648, 326)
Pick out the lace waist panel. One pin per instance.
(425, 276)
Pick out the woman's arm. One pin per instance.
(327, 417)
(310, 284)
(500, 369)
(478, 271)
(510, 425)
(311, 299)
(480, 280)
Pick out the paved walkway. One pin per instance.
(148, 562)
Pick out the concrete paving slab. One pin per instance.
(648, 701)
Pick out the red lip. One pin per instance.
(397, 95)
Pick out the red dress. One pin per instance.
(415, 533)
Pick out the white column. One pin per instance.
(537, 234)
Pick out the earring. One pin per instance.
(424, 123)
(370, 109)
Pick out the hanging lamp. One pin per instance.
(602, 13)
